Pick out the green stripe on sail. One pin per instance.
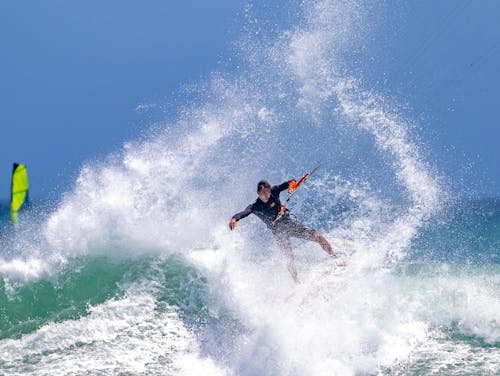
(19, 189)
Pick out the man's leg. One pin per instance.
(298, 230)
(286, 247)
(303, 232)
(291, 265)
(320, 239)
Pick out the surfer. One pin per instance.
(269, 209)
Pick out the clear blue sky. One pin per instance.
(72, 74)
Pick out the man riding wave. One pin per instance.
(277, 218)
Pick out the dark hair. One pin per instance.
(263, 184)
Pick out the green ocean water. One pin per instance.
(85, 282)
(456, 303)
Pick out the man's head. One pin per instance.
(264, 190)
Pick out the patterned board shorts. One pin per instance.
(287, 228)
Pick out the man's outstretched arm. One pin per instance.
(282, 186)
(240, 215)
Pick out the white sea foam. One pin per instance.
(23, 270)
(345, 322)
(437, 356)
(127, 335)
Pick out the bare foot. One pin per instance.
(341, 263)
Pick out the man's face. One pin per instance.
(264, 194)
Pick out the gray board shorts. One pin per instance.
(287, 227)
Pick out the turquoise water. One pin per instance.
(449, 305)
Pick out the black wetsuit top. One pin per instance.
(266, 211)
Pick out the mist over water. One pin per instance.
(181, 294)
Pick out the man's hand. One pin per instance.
(232, 224)
(292, 186)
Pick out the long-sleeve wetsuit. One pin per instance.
(268, 211)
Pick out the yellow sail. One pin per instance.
(19, 189)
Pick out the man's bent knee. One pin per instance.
(317, 237)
